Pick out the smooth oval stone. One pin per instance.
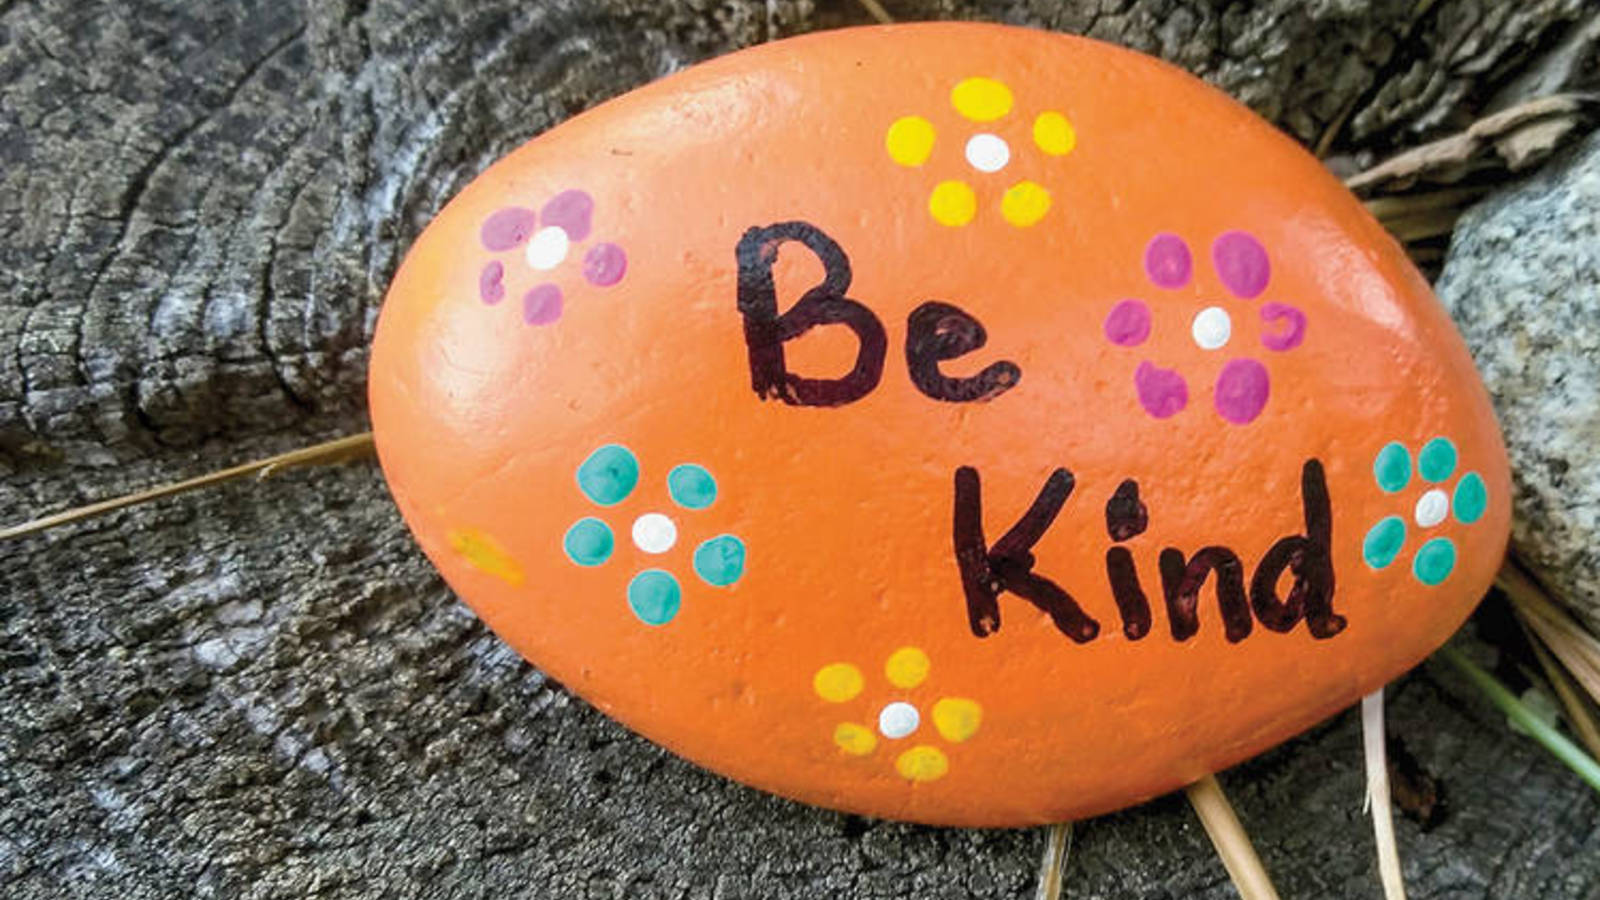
(950, 423)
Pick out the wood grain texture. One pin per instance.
(264, 690)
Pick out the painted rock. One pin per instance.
(946, 422)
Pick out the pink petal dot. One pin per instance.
(571, 211)
(1167, 261)
(605, 264)
(1128, 323)
(541, 305)
(1242, 390)
(1290, 331)
(507, 228)
(1162, 392)
(1242, 264)
(491, 287)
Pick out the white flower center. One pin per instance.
(898, 719)
(548, 248)
(988, 152)
(1212, 328)
(1432, 507)
(654, 533)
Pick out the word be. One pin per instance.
(935, 331)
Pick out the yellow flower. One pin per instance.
(956, 719)
(953, 202)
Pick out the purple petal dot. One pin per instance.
(605, 264)
(491, 286)
(571, 211)
(507, 228)
(1167, 261)
(1242, 264)
(1162, 392)
(1128, 323)
(541, 305)
(1242, 391)
(1290, 331)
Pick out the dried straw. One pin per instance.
(1377, 757)
(1052, 866)
(1229, 837)
(338, 450)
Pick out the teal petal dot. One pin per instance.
(1383, 542)
(1392, 468)
(720, 561)
(609, 474)
(654, 596)
(1434, 561)
(691, 486)
(1472, 498)
(1437, 460)
(589, 542)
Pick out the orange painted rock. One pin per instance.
(950, 423)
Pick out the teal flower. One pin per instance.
(608, 477)
(1436, 464)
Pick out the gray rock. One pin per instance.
(1523, 281)
(265, 691)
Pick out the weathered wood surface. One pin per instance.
(264, 690)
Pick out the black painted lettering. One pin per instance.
(986, 571)
(1181, 582)
(1127, 518)
(766, 330)
(1126, 515)
(1310, 558)
(1132, 604)
(936, 332)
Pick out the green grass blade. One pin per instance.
(1553, 740)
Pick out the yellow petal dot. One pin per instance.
(981, 99)
(910, 140)
(856, 740)
(907, 667)
(1025, 203)
(957, 718)
(837, 682)
(952, 203)
(922, 763)
(484, 553)
(1054, 134)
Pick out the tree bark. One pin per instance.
(265, 690)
